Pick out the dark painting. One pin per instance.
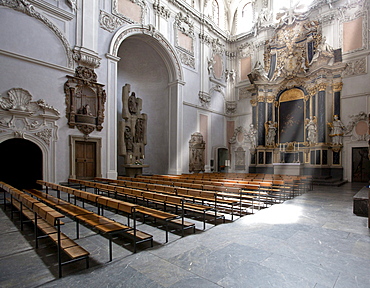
(291, 121)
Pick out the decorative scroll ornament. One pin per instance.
(204, 98)
(109, 22)
(231, 107)
(45, 135)
(161, 10)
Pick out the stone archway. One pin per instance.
(22, 163)
(173, 92)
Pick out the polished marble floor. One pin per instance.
(313, 240)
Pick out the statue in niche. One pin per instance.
(259, 70)
(85, 110)
(337, 131)
(196, 153)
(270, 133)
(311, 127)
(252, 134)
(132, 129)
(323, 49)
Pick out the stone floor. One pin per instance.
(313, 240)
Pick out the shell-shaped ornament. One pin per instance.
(19, 98)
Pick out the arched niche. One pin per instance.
(172, 94)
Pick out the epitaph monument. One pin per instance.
(132, 133)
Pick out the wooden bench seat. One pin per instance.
(100, 223)
(47, 221)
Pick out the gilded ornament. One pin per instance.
(261, 98)
(253, 102)
(337, 87)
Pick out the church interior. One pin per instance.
(185, 143)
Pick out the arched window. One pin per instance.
(215, 16)
(245, 21)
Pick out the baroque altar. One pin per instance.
(295, 101)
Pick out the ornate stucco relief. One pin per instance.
(21, 117)
(356, 67)
(358, 127)
(350, 12)
(161, 10)
(184, 39)
(109, 22)
(137, 10)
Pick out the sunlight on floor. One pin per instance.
(287, 215)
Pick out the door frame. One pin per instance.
(72, 152)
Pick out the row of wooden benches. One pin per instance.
(131, 210)
(289, 187)
(252, 195)
(299, 181)
(237, 201)
(47, 221)
(167, 198)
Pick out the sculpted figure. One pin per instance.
(337, 128)
(252, 135)
(270, 133)
(311, 130)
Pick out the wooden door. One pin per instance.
(85, 160)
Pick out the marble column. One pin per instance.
(337, 94)
(321, 114)
(261, 110)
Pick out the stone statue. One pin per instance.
(323, 49)
(337, 129)
(311, 127)
(270, 133)
(132, 129)
(252, 134)
(259, 70)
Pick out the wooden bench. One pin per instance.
(100, 223)
(168, 218)
(48, 221)
(155, 193)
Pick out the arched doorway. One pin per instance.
(21, 163)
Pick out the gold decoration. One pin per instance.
(337, 87)
(261, 98)
(292, 94)
(253, 102)
(321, 86)
(270, 98)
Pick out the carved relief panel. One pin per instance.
(196, 153)
(85, 99)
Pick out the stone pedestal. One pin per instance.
(361, 202)
(133, 170)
